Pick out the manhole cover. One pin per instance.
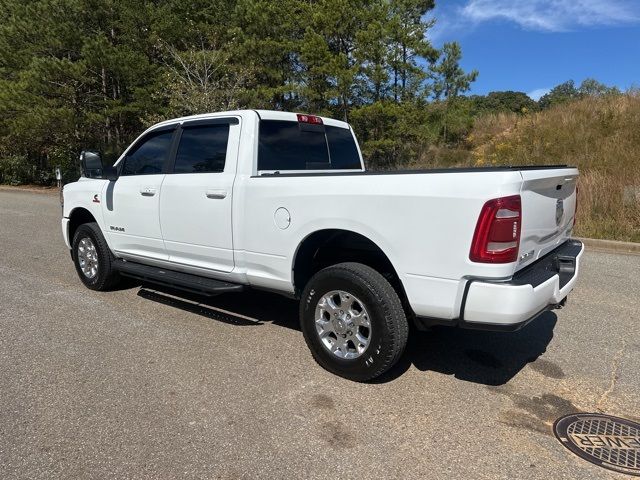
(607, 441)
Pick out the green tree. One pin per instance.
(394, 134)
(450, 80)
(373, 54)
(559, 94)
(329, 54)
(408, 43)
(82, 80)
(568, 91)
(509, 101)
(267, 35)
(593, 88)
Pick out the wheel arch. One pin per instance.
(77, 217)
(330, 246)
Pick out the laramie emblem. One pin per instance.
(559, 211)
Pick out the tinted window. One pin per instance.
(148, 156)
(287, 145)
(202, 149)
(342, 148)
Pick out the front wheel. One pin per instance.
(92, 258)
(353, 321)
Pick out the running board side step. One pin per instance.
(170, 278)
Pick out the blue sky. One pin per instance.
(533, 45)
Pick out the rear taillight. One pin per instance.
(497, 235)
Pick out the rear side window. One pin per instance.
(148, 156)
(202, 149)
(285, 145)
(342, 149)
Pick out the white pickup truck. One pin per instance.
(281, 201)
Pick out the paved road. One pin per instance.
(141, 384)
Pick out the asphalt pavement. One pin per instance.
(142, 383)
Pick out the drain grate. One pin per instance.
(603, 440)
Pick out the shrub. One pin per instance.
(15, 170)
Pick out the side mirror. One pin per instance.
(92, 166)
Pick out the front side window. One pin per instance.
(149, 155)
(202, 149)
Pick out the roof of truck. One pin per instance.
(263, 114)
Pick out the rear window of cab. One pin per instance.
(289, 146)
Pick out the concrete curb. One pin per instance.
(612, 246)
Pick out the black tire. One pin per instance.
(389, 326)
(106, 276)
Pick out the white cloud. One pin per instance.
(552, 15)
(538, 93)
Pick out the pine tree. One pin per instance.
(450, 80)
(408, 43)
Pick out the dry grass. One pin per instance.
(609, 205)
(601, 136)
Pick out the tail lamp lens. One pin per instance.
(497, 235)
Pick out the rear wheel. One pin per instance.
(92, 258)
(353, 321)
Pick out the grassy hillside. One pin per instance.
(601, 136)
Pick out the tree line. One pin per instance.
(80, 74)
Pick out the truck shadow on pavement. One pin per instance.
(489, 358)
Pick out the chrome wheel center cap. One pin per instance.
(340, 326)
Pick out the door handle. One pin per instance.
(216, 194)
(147, 192)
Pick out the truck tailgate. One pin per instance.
(548, 211)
